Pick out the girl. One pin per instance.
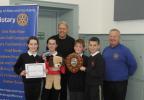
(32, 86)
(55, 68)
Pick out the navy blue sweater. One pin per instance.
(120, 63)
(76, 81)
(95, 70)
(23, 59)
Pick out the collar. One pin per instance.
(63, 38)
(115, 46)
(30, 54)
(95, 53)
(81, 54)
(55, 53)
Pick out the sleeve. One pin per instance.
(71, 49)
(131, 62)
(18, 67)
(101, 68)
(62, 69)
(47, 66)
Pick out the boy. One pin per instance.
(94, 71)
(76, 81)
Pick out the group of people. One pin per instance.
(102, 75)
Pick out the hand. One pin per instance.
(43, 57)
(45, 70)
(23, 73)
(82, 68)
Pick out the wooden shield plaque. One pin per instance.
(74, 62)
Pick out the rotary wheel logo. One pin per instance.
(22, 19)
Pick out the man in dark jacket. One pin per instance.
(65, 47)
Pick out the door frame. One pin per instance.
(56, 6)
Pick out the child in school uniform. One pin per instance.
(76, 81)
(55, 67)
(32, 86)
(94, 71)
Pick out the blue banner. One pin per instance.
(17, 23)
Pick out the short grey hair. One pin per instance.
(114, 29)
(64, 23)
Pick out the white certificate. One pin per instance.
(35, 70)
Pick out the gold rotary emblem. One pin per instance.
(22, 19)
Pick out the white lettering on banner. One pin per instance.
(7, 20)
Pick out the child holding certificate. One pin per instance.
(32, 86)
(54, 65)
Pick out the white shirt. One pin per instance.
(55, 53)
(95, 53)
(81, 54)
(30, 54)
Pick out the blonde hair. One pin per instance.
(80, 41)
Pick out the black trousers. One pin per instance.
(63, 92)
(76, 95)
(45, 95)
(51, 94)
(115, 90)
(93, 92)
(32, 90)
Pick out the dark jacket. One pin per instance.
(65, 46)
(76, 81)
(23, 59)
(95, 70)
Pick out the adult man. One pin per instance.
(65, 47)
(120, 64)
